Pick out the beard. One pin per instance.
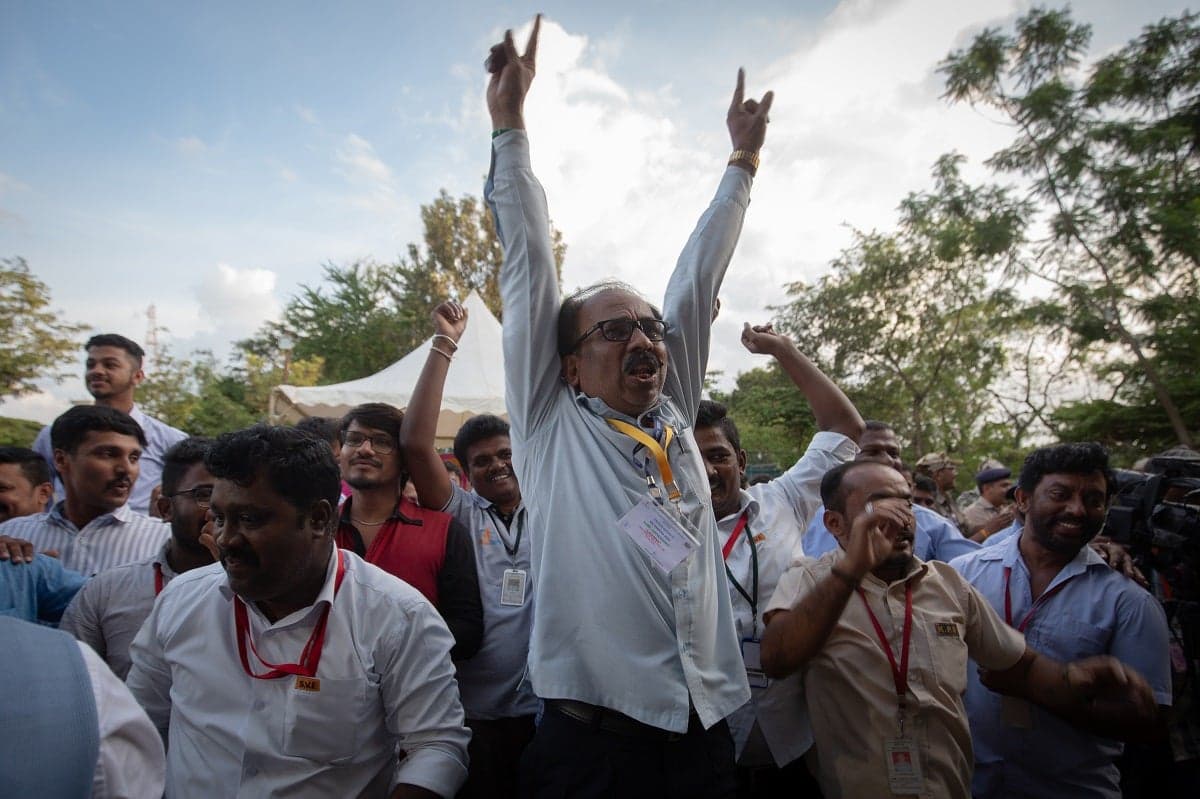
(1042, 530)
(368, 483)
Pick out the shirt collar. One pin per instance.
(324, 596)
(161, 559)
(745, 502)
(59, 514)
(1084, 559)
(602, 409)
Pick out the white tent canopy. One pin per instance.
(474, 385)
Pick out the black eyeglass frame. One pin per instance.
(202, 503)
(389, 447)
(646, 324)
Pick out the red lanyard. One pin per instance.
(158, 579)
(737, 528)
(899, 672)
(1043, 599)
(309, 658)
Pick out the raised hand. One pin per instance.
(511, 76)
(762, 339)
(873, 534)
(747, 119)
(450, 320)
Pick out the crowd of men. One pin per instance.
(606, 609)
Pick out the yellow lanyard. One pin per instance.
(659, 453)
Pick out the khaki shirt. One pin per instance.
(979, 513)
(944, 504)
(849, 688)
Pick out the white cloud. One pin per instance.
(288, 175)
(9, 184)
(191, 146)
(306, 114)
(857, 124)
(367, 174)
(236, 301)
(42, 406)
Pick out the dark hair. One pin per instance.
(925, 483)
(297, 466)
(1079, 458)
(322, 427)
(33, 465)
(831, 484)
(376, 415)
(875, 424)
(136, 353)
(181, 457)
(474, 430)
(568, 312)
(714, 414)
(71, 428)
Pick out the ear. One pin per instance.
(742, 462)
(43, 492)
(570, 369)
(166, 508)
(320, 518)
(138, 377)
(835, 522)
(1022, 499)
(62, 462)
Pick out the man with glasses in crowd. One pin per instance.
(633, 646)
(107, 613)
(425, 548)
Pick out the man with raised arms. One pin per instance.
(633, 645)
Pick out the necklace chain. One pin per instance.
(367, 524)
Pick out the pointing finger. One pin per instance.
(739, 91)
(765, 106)
(531, 45)
(510, 47)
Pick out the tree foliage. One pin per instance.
(34, 342)
(912, 324)
(362, 317)
(1111, 159)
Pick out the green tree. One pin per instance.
(1111, 157)
(366, 315)
(34, 342)
(912, 324)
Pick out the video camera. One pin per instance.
(1156, 515)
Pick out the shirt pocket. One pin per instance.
(947, 650)
(326, 725)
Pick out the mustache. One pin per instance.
(370, 461)
(638, 359)
(120, 482)
(246, 555)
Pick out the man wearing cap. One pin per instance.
(990, 513)
(944, 469)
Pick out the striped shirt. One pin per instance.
(109, 540)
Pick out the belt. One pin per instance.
(603, 718)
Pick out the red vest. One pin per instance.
(411, 545)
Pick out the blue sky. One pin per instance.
(208, 158)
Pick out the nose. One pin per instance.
(1075, 506)
(639, 339)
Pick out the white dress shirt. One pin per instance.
(107, 541)
(610, 628)
(386, 684)
(777, 513)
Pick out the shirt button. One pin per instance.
(680, 593)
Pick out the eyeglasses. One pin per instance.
(381, 444)
(621, 329)
(201, 495)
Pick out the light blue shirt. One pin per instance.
(1000, 536)
(1097, 612)
(492, 681)
(109, 540)
(609, 628)
(937, 538)
(160, 437)
(38, 591)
